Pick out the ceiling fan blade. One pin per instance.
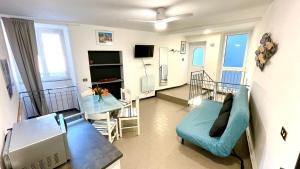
(176, 17)
(170, 19)
(184, 15)
(141, 20)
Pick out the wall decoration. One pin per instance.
(104, 37)
(265, 51)
(7, 77)
(183, 47)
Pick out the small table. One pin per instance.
(89, 149)
(91, 105)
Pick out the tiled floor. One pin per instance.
(180, 92)
(158, 146)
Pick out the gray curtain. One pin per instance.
(21, 37)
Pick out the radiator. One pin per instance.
(147, 83)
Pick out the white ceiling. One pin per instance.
(116, 13)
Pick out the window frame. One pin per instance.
(202, 66)
(45, 28)
(241, 69)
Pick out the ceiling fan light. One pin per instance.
(207, 31)
(160, 26)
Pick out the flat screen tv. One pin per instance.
(141, 51)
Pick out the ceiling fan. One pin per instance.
(162, 20)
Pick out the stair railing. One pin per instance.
(199, 82)
(57, 100)
(203, 86)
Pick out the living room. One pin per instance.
(270, 138)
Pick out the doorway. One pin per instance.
(197, 54)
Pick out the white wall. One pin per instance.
(274, 92)
(177, 63)
(82, 39)
(213, 53)
(8, 106)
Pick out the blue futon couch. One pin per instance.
(195, 126)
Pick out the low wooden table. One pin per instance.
(89, 149)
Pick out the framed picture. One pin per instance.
(104, 37)
(7, 76)
(183, 47)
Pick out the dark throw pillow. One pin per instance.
(219, 125)
(228, 97)
(226, 107)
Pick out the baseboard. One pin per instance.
(251, 150)
(170, 88)
(173, 99)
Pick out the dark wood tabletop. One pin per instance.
(88, 148)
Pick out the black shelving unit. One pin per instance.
(106, 69)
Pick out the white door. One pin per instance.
(196, 57)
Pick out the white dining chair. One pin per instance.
(125, 97)
(105, 124)
(130, 113)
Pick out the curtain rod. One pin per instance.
(39, 20)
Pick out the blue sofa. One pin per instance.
(195, 126)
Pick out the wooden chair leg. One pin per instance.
(117, 131)
(109, 137)
(109, 132)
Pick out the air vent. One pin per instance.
(33, 166)
(42, 164)
(49, 161)
(56, 158)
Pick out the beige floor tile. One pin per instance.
(181, 92)
(158, 147)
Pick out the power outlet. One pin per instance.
(283, 133)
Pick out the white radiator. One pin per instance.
(147, 83)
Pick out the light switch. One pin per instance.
(283, 133)
(84, 79)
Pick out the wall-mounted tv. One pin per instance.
(141, 51)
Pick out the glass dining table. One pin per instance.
(92, 105)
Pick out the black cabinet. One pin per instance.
(106, 69)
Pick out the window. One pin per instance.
(235, 50)
(234, 56)
(51, 52)
(233, 77)
(198, 57)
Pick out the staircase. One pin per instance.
(201, 86)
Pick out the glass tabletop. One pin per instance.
(91, 105)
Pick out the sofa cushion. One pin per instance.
(219, 125)
(226, 107)
(228, 97)
(195, 126)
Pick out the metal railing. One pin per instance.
(233, 76)
(199, 81)
(203, 86)
(57, 100)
